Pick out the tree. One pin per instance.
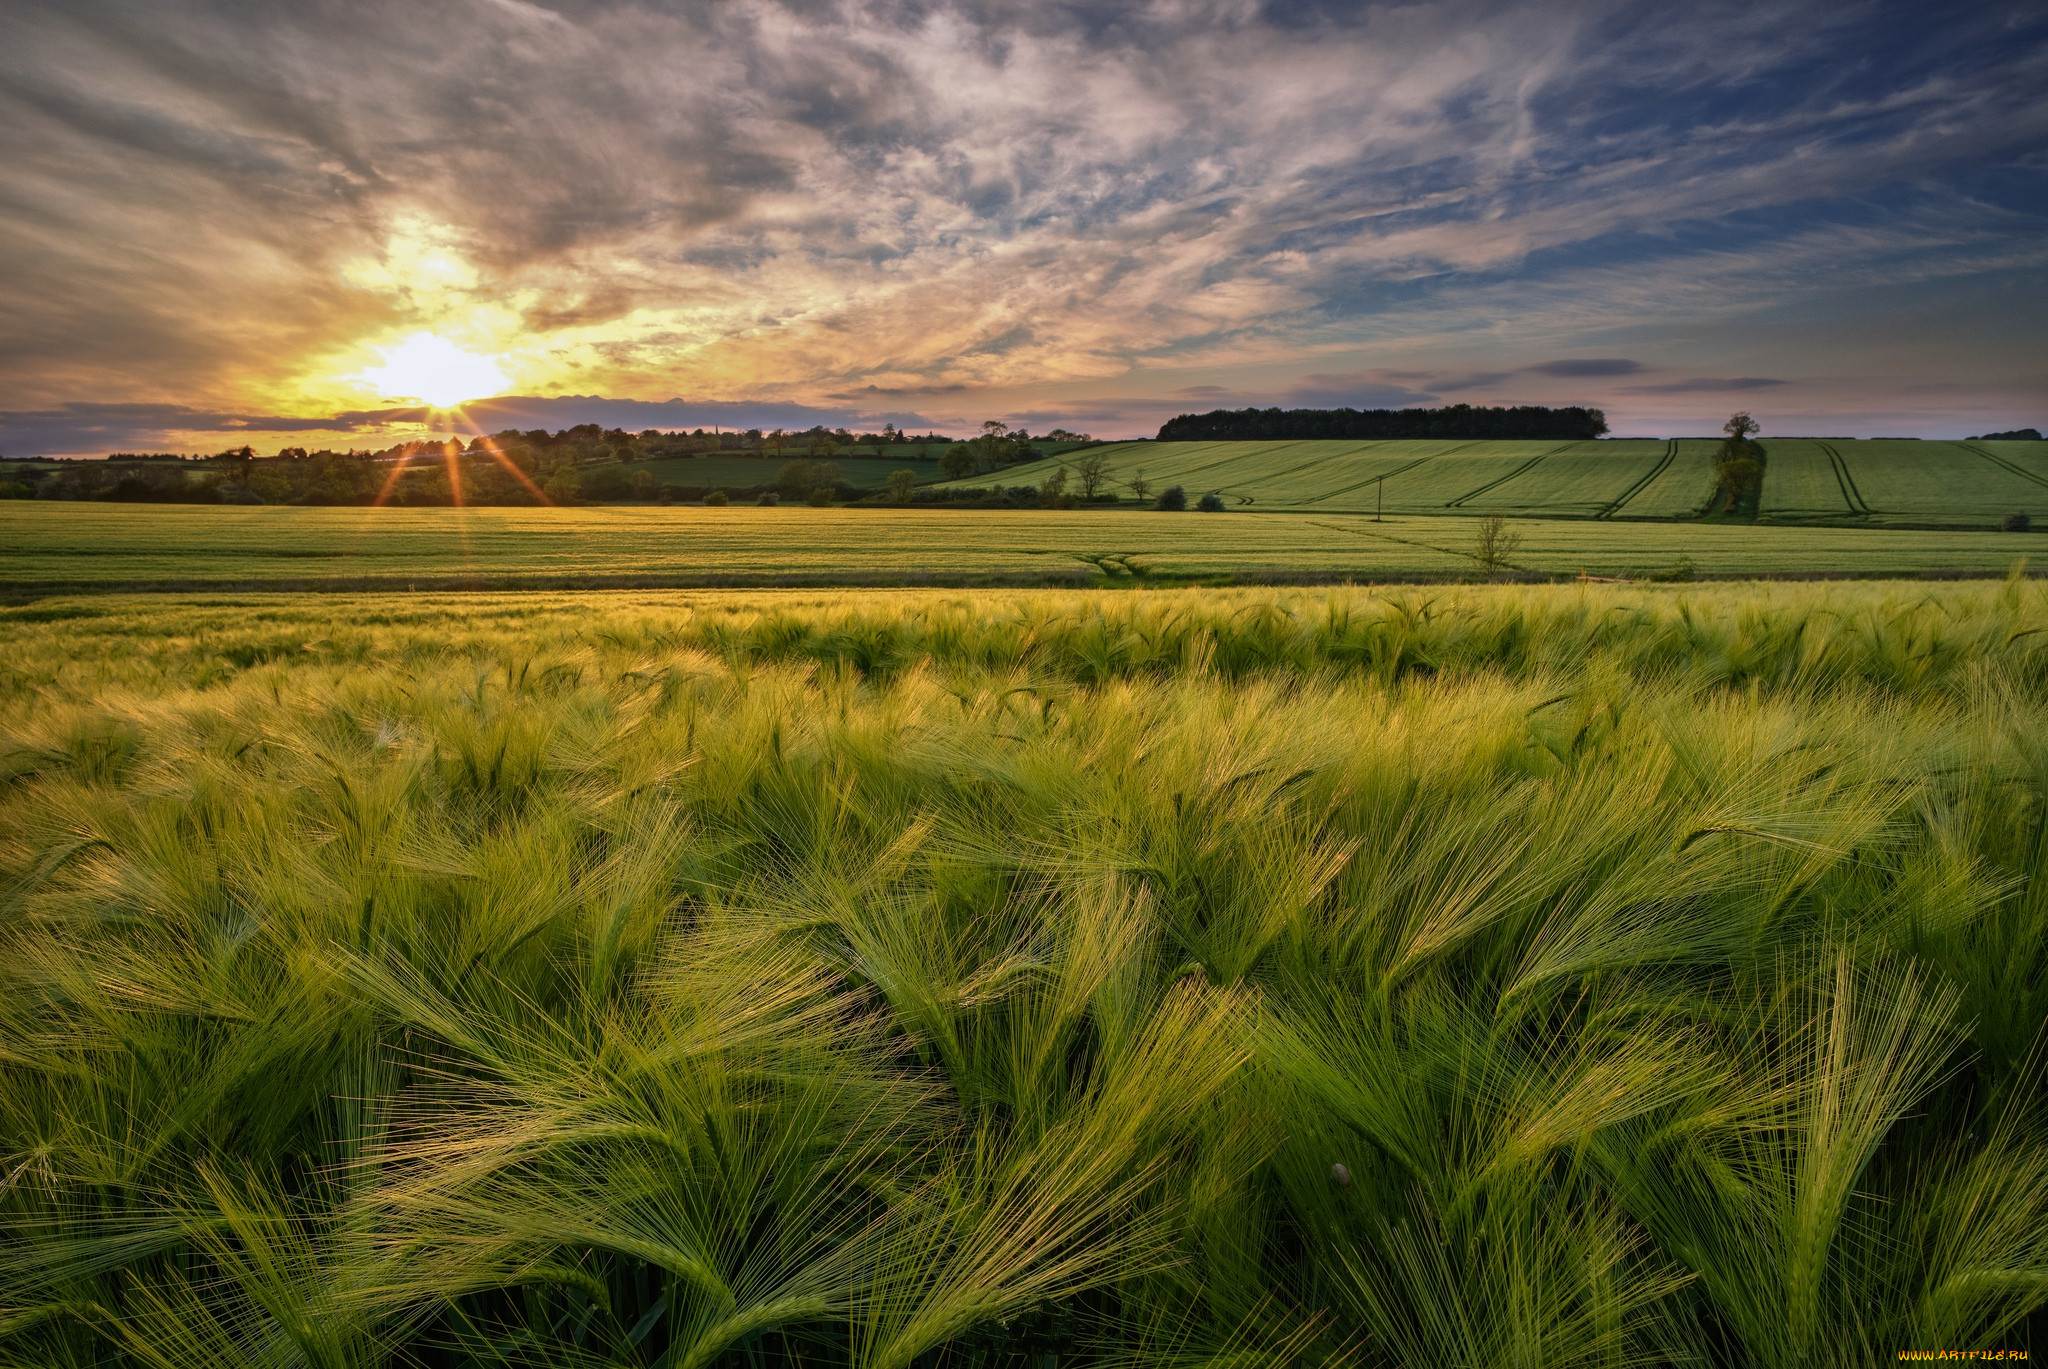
(1211, 502)
(1139, 486)
(564, 486)
(643, 484)
(1054, 489)
(901, 483)
(1739, 464)
(1173, 499)
(798, 478)
(1093, 472)
(1494, 543)
(957, 463)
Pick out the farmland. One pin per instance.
(1471, 975)
(1843, 481)
(50, 546)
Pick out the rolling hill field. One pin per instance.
(49, 548)
(1917, 483)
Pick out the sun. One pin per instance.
(435, 371)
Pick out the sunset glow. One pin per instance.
(770, 215)
(433, 371)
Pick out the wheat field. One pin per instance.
(1477, 976)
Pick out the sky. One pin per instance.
(224, 221)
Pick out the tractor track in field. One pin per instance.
(1315, 461)
(1670, 454)
(1522, 469)
(2021, 471)
(1850, 494)
(1383, 475)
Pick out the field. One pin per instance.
(1470, 976)
(1927, 484)
(47, 547)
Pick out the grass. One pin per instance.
(1897, 482)
(47, 547)
(1845, 481)
(998, 977)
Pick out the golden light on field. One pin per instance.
(433, 370)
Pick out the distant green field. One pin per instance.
(1633, 479)
(47, 546)
(1965, 481)
(1939, 484)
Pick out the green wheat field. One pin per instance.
(1849, 482)
(1429, 976)
(50, 547)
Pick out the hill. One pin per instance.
(1842, 481)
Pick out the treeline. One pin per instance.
(1526, 421)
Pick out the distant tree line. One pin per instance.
(2016, 435)
(1457, 420)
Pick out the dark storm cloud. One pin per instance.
(849, 203)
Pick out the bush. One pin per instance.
(716, 499)
(902, 484)
(820, 498)
(1494, 542)
(769, 500)
(1211, 502)
(1172, 499)
(2017, 522)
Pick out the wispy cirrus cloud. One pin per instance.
(981, 206)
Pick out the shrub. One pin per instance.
(717, 499)
(1211, 502)
(1494, 543)
(901, 485)
(1172, 499)
(1679, 572)
(769, 500)
(820, 497)
(2017, 522)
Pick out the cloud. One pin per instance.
(82, 429)
(1705, 385)
(835, 206)
(1586, 366)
